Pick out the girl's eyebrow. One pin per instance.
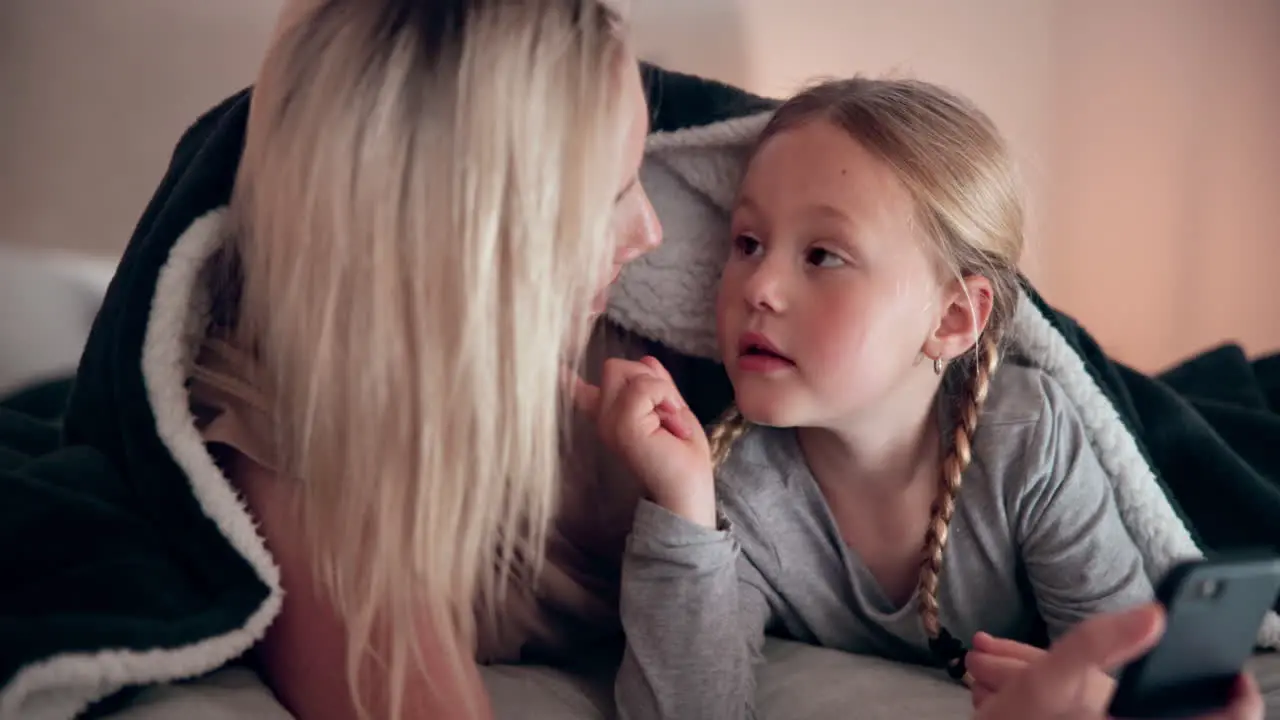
(832, 212)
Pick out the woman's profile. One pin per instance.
(431, 200)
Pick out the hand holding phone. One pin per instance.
(1214, 608)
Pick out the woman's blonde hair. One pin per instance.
(419, 223)
(958, 171)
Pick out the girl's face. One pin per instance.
(828, 297)
(635, 223)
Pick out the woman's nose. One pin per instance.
(644, 232)
(650, 232)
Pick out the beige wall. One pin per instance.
(93, 95)
(1147, 129)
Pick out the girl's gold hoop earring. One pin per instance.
(937, 365)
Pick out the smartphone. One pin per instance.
(1214, 608)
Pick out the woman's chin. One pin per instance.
(599, 304)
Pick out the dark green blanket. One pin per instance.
(128, 564)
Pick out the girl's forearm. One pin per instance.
(693, 631)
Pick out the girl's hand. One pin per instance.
(994, 662)
(1055, 686)
(643, 419)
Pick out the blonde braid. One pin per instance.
(950, 650)
(726, 432)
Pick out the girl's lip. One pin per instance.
(764, 364)
(756, 341)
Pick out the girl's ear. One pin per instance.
(966, 307)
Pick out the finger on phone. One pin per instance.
(984, 642)
(1104, 641)
(992, 671)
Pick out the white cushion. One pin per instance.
(47, 305)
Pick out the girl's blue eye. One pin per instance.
(824, 258)
(746, 245)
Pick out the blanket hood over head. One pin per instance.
(134, 562)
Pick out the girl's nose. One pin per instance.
(763, 291)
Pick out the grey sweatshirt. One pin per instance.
(1036, 545)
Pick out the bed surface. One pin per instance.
(798, 683)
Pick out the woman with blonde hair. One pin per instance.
(352, 359)
(416, 262)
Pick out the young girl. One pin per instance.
(859, 501)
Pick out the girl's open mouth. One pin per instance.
(756, 353)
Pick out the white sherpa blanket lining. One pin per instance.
(691, 176)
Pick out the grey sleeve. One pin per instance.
(694, 624)
(1079, 557)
